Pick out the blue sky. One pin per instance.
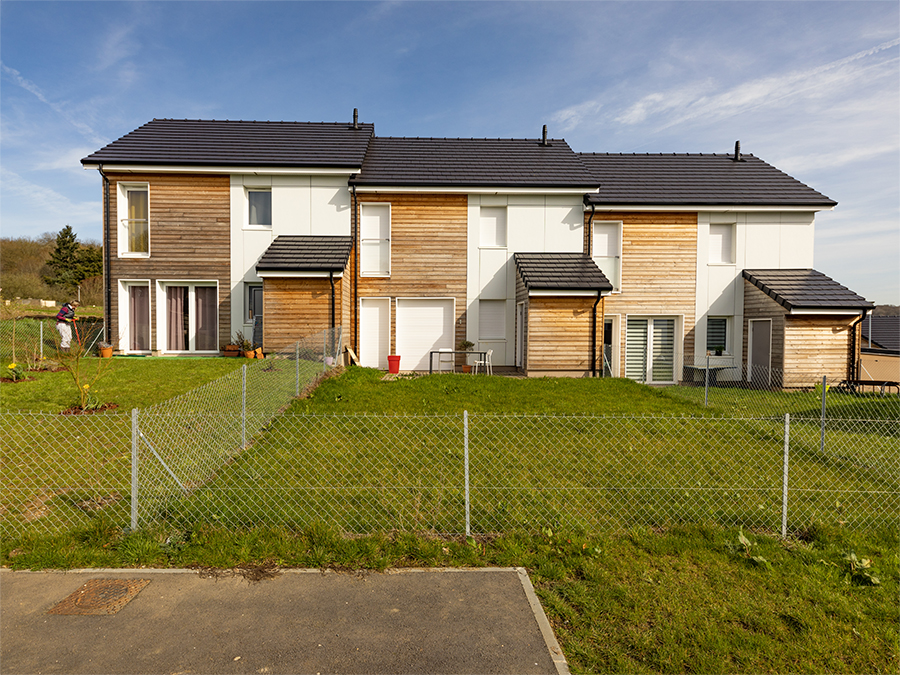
(811, 87)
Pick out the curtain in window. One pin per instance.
(206, 318)
(177, 318)
(138, 225)
(260, 207)
(139, 318)
(636, 349)
(663, 366)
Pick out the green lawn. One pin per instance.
(687, 595)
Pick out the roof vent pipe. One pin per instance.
(737, 151)
(544, 136)
(356, 118)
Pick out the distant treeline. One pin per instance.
(51, 267)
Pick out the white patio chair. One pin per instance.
(486, 364)
(446, 358)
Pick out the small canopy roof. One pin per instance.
(298, 253)
(806, 289)
(561, 272)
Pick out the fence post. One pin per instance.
(135, 435)
(822, 439)
(244, 406)
(706, 383)
(324, 350)
(466, 461)
(784, 480)
(297, 364)
(41, 324)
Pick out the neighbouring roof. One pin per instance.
(561, 271)
(473, 162)
(695, 179)
(885, 332)
(805, 289)
(298, 253)
(230, 143)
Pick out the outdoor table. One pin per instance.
(447, 351)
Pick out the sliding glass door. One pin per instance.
(650, 349)
(191, 318)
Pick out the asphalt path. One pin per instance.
(292, 621)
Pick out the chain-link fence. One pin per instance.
(34, 341)
(455, 474)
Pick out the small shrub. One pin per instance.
(15, 372)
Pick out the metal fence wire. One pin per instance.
(227, 454)
(32, 341)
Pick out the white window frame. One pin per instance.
(493, 212)
(248, 285)
(162, 321)
(256, 226)
(386, 241)
(122, 341)
(676, 346)
(732, 231)
(616, 278)
(616, 338)
(122, 190)
(729, 322)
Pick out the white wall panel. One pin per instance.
(564, 225)
(762, 244)
(525, 229)
(492, 274)
(330, 206)
(797, 245)
(722, 289)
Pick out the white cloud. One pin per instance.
(31, 87)
(46, 209)
(571, 117)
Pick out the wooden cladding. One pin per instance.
(560, 331)
(189, 239)
(428, 234)
(658, 269)
(295, 308)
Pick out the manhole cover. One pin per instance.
(100, 596)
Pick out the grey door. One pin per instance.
(759, 367)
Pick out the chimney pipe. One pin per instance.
(737, 151)
(544, 136)
(356, 118)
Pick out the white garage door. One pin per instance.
(374, 332)
(423, 325)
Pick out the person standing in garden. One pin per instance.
(64, 320)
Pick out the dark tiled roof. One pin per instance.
(561, 271)
(228, 143)
(885, 332)
(701, 179)
(473, 162)
(805, 289)
(297, 253)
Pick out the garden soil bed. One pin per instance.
(76, 410)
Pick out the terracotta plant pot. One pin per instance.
(259, 353)
(106, 352)
(250, 355)
(467, 368)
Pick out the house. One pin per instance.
(880, 349)
(559, 262)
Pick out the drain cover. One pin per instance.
(100, 596)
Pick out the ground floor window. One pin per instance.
(650, 349)
(191, 317)
(139, 318)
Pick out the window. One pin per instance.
(717, 334)
(190, 317)
(608, 250)
(721, 244)
(260, 203)
(375, 240)
(134, 228)
(253, 302)
(492, 320)
(139, 318)
(493, 226)
(650, 349)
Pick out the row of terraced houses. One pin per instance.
(562, 263)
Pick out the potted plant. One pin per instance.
(718, 350)
(466, 346)
(106, 350)
(231, 349)
(244, 345)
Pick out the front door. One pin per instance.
(374, 332)
(759, 368)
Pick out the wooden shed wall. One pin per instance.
(428, 253)
(816, 346)
(758, 305)
(189, 240)
(297, 307)
(559, 333)
(659, 269)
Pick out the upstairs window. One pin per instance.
(607, 251)
(134, 228)
(375, 240)
(493, 227)
(721, 244)
(260, 202)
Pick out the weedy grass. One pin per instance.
(692, 598)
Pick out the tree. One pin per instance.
(71, 263)
(63, 262)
